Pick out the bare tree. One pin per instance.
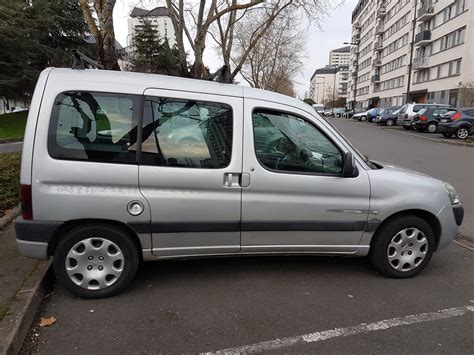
(99, 18)
(193, 21)
(276, 58)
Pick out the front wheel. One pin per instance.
(362, 118)
(402, 247)
(389, 122)
(96, 260)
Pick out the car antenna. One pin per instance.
(80, 61)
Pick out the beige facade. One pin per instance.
(340, 56)
(324, 80)
(384, 44)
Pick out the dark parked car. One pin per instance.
(372, 113)
(388, 116)
(427, 119)
(459, 122)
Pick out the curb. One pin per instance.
(15, 325)
(13, 140)
(10, 216)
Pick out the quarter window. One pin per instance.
(288, 143)
(94, 127)
(186, 133)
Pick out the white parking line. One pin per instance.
(344, 332)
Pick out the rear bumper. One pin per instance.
(33, 237)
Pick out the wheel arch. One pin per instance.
(69, 225)
(428, 217)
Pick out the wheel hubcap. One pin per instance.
(94, 263)
(407, 249)
(389, 122)
(463, 133)
(432, 128)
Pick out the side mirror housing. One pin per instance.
(349, 168)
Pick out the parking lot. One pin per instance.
(288, 304)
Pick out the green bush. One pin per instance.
(9, 180)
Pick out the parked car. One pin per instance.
(338, 112)
(107, 181)
(348, 113)
(372, 113)
(408, 112)
(459, 122)
(361, 115)
(427, 119)
(388, 116)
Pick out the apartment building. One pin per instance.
(324, 80)
(160, 19)
(414, 46)
(340, 56)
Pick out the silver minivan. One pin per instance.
(120, 168)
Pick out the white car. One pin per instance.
(361, 116)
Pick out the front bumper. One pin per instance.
(33, 237)
(450, 218)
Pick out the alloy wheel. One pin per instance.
(462, 133)
(407, 249)
(94, 263)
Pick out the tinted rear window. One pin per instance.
(94, 127)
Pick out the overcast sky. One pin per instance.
(334, 30)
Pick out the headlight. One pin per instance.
(453, 196)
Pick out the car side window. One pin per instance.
(440, 112)
(417, 108)
(288, 143)
(186, 133)
(94, 127)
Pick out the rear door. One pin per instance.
(190, 171)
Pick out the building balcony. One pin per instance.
(379, 28)
(375, 78)
(423, 38)
(421, 63)
(377, 63)
(425, 12)
(381, 12)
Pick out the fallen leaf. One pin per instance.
(46, 322)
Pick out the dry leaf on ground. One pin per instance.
(45, 322)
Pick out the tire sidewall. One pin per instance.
(383, 237)
(117, 236)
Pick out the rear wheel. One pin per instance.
(389, 122)
(402, 247)
(96, 260)
(432, 127)
(462, 132)
(363, 118)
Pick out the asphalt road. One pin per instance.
(282, 304)
(11, 147)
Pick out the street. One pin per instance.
(288, 304)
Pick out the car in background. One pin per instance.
(458, 122)
(338, 112)
(408, 112)
(361, 116)
(372, 113)
(388, 116)
(319, 108)
(427, 119)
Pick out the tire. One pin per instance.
(362, 118)
(463, 133)
(447, 135)
(408, 128)
(96, 241)
(432, 127)
(389, 122)
(386, 242)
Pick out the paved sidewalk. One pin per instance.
(14, 268)
(11, 147)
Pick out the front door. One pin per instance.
(297, 199)
(190, 165)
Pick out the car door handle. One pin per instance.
(236, 180)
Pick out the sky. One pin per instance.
(332, 31)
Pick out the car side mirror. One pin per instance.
(349, 168)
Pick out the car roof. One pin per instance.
(137, 83)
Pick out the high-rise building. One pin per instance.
(160, 19)
(340, 56)
(324, 80)
(411, 50)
